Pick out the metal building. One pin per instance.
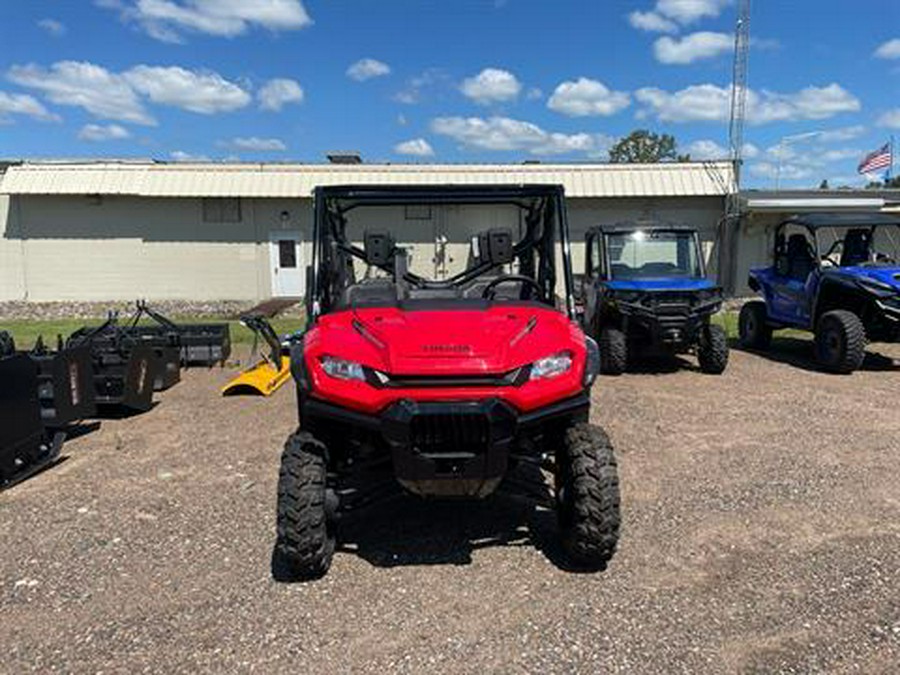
(120, 230)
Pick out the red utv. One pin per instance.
(439, 381)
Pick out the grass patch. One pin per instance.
(26, 332)
(729, 321)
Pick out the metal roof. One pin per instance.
(150, 179)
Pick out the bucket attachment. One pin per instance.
(24, 446)
(269, 373)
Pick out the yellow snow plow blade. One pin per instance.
(260, 379)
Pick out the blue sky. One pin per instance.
(469, 80)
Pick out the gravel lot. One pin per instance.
(761, 534)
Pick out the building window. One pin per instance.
(222, 210)
(287, 254)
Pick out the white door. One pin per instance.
(287, 268)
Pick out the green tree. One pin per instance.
(645, 147)
(824, 184)
(890, 183)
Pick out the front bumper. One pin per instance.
(669, 325)
(447, 448)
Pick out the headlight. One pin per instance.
(592, 364)
(551, 366)
(341, 369)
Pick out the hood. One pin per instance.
(660, 284)
(459, 341)
(888, 275)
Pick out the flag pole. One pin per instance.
(890, 173)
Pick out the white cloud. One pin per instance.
(165, 20)
(841, 134)
(491, 85)
(23, 104)
(254, 144)
(889, 50)
(787, 171)
(366, 69)
(278, 92)
(85, 85)
(587, 97)
(53, 27)
(706, 149)
(534, 94)
(693, 47)
(890, 119)
(200, 92)
(710, 103)
(181, 156)
(417, 147)
(652, 22)
(688, 11)
(505, 134)
(105, 132)
(701, 102)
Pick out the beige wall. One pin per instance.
(12, 273)
(122, 248)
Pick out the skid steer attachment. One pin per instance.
(25, 447)
(166, 346)
(199, 344)
(65, 384)
(124, 368)
(272, 371)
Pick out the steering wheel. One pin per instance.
(489, 290)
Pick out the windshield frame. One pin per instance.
(545, 212)
(842, 229)
(620, 231)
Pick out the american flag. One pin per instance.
(877, 161)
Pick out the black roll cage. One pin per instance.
(814, 226)
(542, 204)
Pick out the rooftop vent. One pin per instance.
(344, 158)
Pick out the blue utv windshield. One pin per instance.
(653, 255)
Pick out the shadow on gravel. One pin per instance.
(656, 365)
(408, 531)
(120, 412)
(799, 353)
(78, 430)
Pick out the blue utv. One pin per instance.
(835, 274)
(645, 293)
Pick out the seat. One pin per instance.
(801, 261)
(857, 248)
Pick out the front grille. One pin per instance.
(513, 378)
(450, 433)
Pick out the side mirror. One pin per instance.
(496, 246)
(379, 247)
